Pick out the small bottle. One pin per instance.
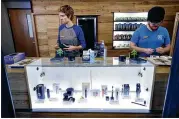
(116, 27)
(103, 51)
(85, 93)
(102, 92)
(48, 93)
(127, 60)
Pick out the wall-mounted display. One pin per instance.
(124, 26)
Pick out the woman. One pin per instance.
(151, 39)
(69, 35)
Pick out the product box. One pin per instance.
(86, 56)
(13, 58)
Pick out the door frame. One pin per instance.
(95, 18)
(176, 24)
(35, 34)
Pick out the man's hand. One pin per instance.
(160, 50)
(71, 48)
(148, 51)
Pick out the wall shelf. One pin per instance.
(124, 25)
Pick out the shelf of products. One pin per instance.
(130, 19)
(122, 37)
(127, 26)
(121, 44)
(124, 26)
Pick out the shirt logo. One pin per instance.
(160, 37)
(145, 37)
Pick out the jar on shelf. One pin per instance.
(116, 26)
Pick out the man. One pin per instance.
(151, 39)
(69, 34)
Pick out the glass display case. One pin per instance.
(102, 86)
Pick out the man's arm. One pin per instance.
(138, 49)
(166, 43)
(135, 40)
(163, 50)
(167, 48)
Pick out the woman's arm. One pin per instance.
(80, 37)
(57, 44)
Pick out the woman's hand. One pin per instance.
(56, 47)
(71, 48)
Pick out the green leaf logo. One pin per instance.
(60, 52)
(134, 53)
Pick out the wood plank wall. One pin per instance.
(47, 25)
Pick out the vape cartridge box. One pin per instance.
(13, 58)
(95, 93)
(56, 87)
(104, 90)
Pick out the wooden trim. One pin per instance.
(35, 35)
(45, 13)
(56, 13)
(27, 114)
(174, 33)
(32, 10)
(84, 14)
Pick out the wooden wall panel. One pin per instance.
(103, 8)
(19, 90)
(47, 33)
(161, 80)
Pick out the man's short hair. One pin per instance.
(156, 14)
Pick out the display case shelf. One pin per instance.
(130, 21)
(124, 30)
(121, 40)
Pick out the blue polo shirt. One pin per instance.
(144, 38)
